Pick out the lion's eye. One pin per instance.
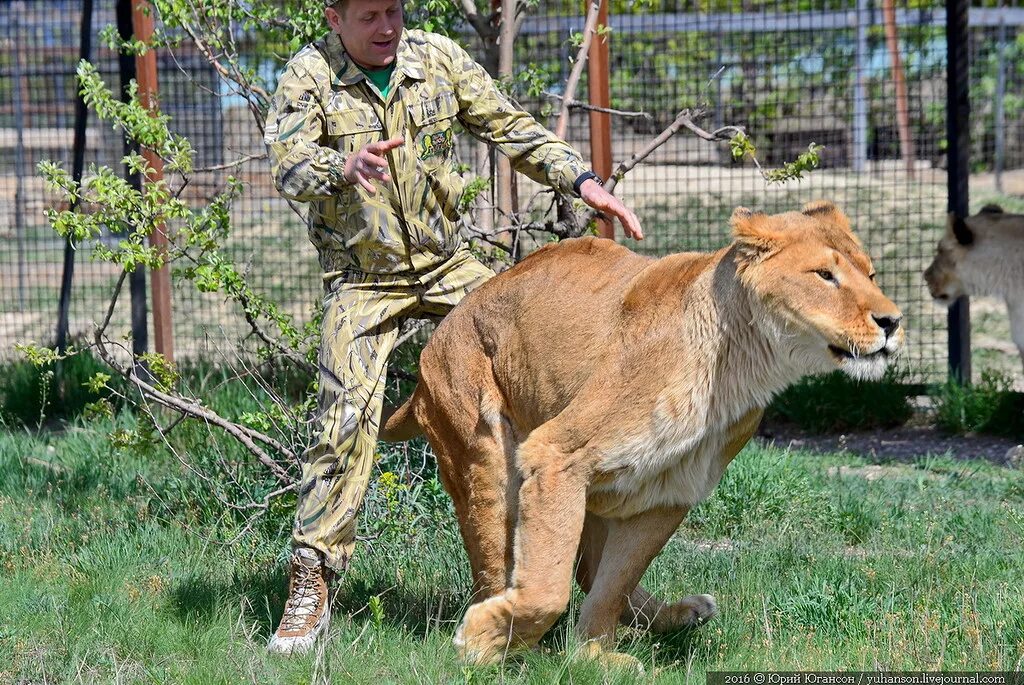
(871, 276)
(827, 276)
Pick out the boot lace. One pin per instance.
(305, 598)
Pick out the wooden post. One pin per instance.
(137, 277)
(145, 65)
(599, 94)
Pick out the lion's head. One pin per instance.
(818, 288)
(945, 275)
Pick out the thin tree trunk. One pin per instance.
(506, 40)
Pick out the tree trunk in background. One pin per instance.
(503, 177)
(900, 85)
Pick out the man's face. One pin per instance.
(369, 30)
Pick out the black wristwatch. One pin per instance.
(585, 176)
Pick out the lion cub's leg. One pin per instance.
(642, 609)
(628, 549)
(646, 611)
(552, 500)
(595, 532)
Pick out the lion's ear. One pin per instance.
(826, 210)
(754, 233)
(958, 228)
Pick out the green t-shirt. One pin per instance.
(380, 77)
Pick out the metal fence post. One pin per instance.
(77, 165)
(958, 109)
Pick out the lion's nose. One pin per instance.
(889, 324)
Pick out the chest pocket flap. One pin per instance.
(434, 109)
(351, 122)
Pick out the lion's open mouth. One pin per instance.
(843, 354)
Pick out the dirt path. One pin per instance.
(901, 444)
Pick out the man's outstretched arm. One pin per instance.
(533, 150)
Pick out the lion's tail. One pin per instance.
(400, 423)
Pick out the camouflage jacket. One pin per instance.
(325, 109)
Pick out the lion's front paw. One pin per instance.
(485, 632)
(689, 612)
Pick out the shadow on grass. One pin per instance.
(415, 611)
(665, 649)
(196, 598)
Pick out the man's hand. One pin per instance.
(594, 194)
(369, 164)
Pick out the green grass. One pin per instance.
(988, 406)
(113, 568)
(836, 402)
(32, 395)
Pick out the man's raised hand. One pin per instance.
(369, 163)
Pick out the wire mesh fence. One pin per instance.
(788, 74)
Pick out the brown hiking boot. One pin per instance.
(307, 612)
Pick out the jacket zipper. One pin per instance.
(394, 177)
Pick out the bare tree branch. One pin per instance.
(231, 74)
(579, 104)
(245, 435)
(577, 68)
(291, 355)
(686, 119)
(228, 165)
(482, 25)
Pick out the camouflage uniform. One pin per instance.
(391, 255)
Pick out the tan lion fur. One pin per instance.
(583, 401)
(990, 263)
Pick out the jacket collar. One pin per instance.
(347, 73)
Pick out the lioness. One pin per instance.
(583, 401)
(982, 255)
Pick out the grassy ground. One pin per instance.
(114, 568)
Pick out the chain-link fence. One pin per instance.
(789, 75)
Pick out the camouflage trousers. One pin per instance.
(362, 317)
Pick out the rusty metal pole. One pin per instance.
(145, 65)
(599, 94)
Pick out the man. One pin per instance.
(361, 127)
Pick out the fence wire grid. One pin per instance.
(789, 76)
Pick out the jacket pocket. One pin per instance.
(350, 131)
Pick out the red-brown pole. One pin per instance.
(160, 289)
(600, 122)
(900, 84)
